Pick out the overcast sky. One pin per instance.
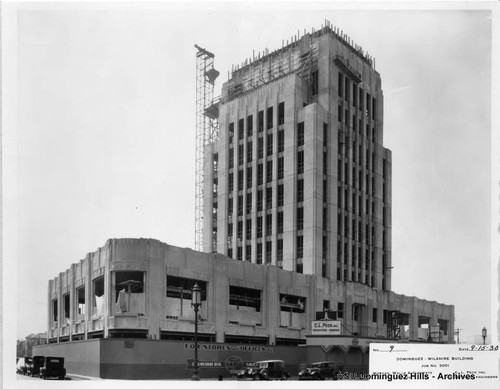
(105, 134)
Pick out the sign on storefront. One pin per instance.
(325, 327)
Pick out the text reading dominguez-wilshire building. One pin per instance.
(296, 230)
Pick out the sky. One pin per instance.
(103, 137)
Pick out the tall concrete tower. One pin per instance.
(299, 177)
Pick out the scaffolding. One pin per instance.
(207, 129)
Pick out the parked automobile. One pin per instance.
(246, 373)
(33, 369)
(53, 368)
(22, 365)
(270, 370)
(320, 371)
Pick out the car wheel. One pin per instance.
(284, 377)
(257, 377)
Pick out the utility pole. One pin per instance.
(457, 333)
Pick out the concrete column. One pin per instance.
(88, 294)
(414, 319)
(155, 288)
(271, 301)
(221, 296)
(60, 306)
(72, 295)
(108, 288)
(49, 305)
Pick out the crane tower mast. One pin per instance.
(207, 129)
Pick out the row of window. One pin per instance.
(299, 264)
(352, 93)
(268, 119)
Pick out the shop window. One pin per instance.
(443, 326)
(54, 312)
(98, 293)
(291, 303)
(244, 298)
(129, 291)
(66, 306)
(179, 291)
(80, 301)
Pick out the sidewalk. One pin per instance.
(77, 377)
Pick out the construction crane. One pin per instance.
(207, 129)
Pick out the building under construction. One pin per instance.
(293, 212)
(299, 177)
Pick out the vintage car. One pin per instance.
(53, 368)
(320, 371)
(22, 365)
(269, 370)
(33, 368)
(246, 373)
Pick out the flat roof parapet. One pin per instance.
(296, 41)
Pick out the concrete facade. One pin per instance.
(299, 177)
(242, 302)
